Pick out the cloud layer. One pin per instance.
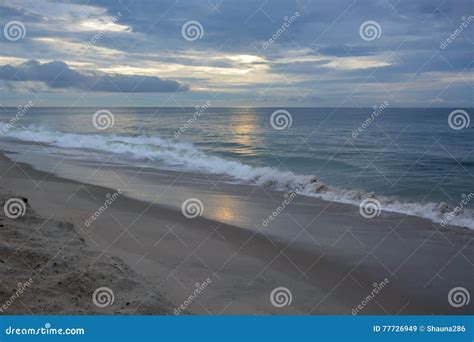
(250, 52)
(58, 74)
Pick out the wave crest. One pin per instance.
(187, 156)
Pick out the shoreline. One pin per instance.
(278, 180)
(246, 266)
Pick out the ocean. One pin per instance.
(410, 160)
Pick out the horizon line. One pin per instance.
(239, 107)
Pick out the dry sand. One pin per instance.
(421, 261)
(47, 268)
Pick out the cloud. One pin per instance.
(59, 75)
(321, 53)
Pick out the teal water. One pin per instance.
(405, 154)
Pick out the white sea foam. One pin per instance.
(187, 156)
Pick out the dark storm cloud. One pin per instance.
(57, 74)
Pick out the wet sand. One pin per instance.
(328, 256)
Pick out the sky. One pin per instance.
(303, 53)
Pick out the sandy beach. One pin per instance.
(48, 269)
(156, 260)
(237, 170)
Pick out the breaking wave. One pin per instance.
(186, 156)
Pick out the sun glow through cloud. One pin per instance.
(306, 60)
